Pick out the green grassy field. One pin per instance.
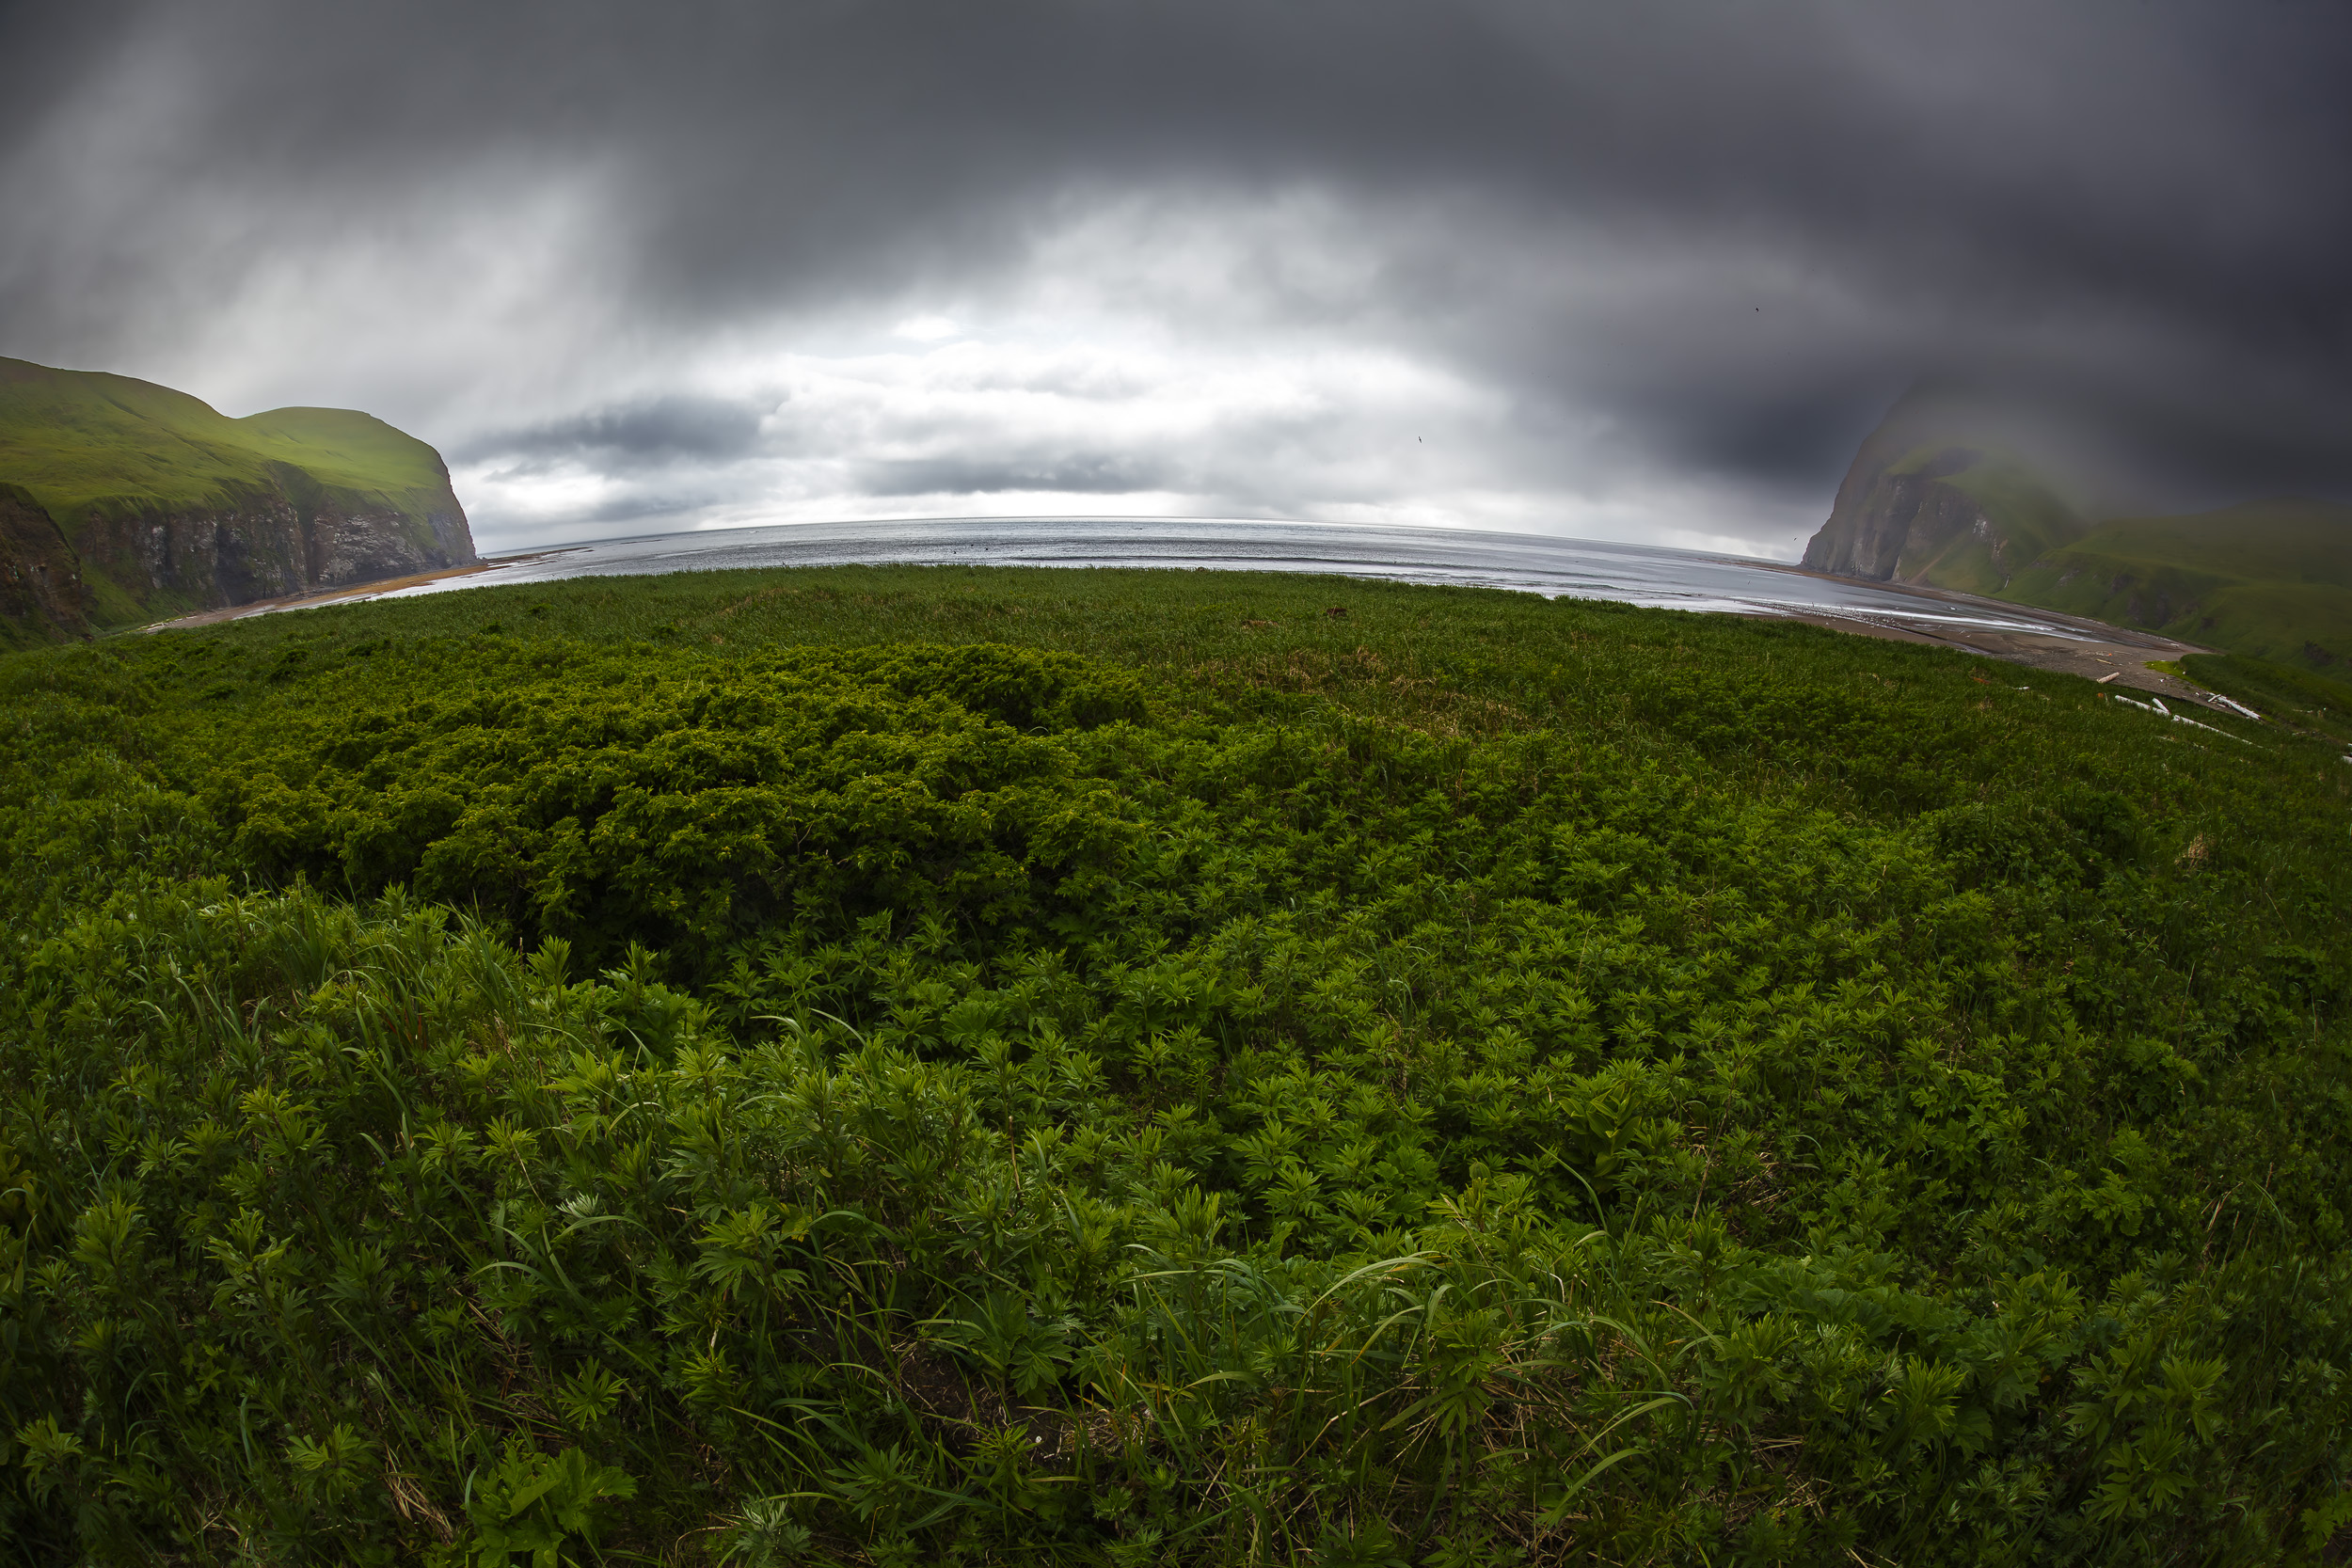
(913, 1064)
(2271, 580)
(2279, 691)
(82, 439)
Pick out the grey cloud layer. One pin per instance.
(1713, 238)
(654, 432)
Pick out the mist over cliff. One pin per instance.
(1958, 486)
(2047, 500)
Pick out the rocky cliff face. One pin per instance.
(1883, 518)
(42, 594)
(1995, 494)
(1928, 500)
(126, 502)
(266, 543)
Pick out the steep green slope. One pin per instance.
(80, 439)
(2026, 516)
(2271, 579)
(2018, 517)
(2286, 540)
(1123, 1068)
(168, 504)
(1936, 496)
(2279, 691)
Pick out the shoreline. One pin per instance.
(2110, 654)
(2104, 630)
(331, 595)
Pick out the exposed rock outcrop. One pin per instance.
(1884, 515)
(143, 501)
(42, 594)
(262, 544)
(1983, 492)
(1933, 497)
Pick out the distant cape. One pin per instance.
(1940, 494)
(122, 502)
(1963, 490)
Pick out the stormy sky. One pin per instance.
(1613, 269)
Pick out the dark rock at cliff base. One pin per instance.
(42, 597)
(157, 504)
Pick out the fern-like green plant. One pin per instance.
(537, 1505)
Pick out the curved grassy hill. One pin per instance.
(2270, 578)
(160, 503)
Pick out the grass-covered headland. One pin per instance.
(919, 1066)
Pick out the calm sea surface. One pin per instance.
(1634, 574)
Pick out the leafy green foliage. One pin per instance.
(1499, 1082)
(2279, 691)
(577, 795)
(533, 1504)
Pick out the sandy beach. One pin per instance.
(2116, 656)
(329, 595)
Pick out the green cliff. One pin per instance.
(122, 501)
(1939, 497)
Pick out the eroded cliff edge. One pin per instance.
(2009, 497)
(156, 504)
(1934, 497)
(41, 580)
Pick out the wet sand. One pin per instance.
(329, 595)
(2117, 655)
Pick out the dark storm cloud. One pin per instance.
(1722, 235)
(645, 434)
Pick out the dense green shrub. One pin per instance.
(906, 1102)
(2293, 696)
(585, 797)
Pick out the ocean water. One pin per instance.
(1632, 574)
